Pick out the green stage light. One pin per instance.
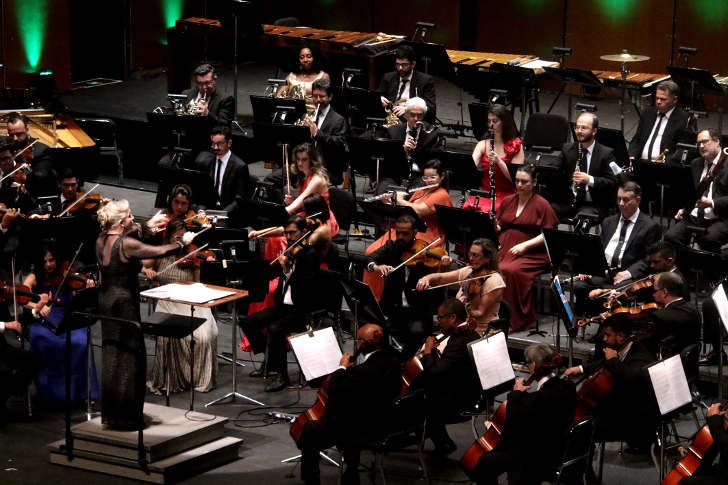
(713, 13)
(618, 9)
(534, 4)
(32, 20)
(172, 11)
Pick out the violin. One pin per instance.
(4, 209)
(628, 290)
(418, 254)
(22, 293)
(89, 202)
(633, 312)
(196, 220)
(188, 261)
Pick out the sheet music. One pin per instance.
(194, 293)
(670, 384)
(491, 360)
(318, 355)
(721, 302)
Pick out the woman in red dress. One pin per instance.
(522, 255)
(506, 148)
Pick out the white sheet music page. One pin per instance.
(670, 384)
(721, 302)
(318, 355)
(491, 360)
(194, 293)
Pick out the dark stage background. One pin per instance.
(81, 39)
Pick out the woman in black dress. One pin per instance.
(119, 254)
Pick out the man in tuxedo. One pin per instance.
(536, 424)
(625, 238)
(677, 322)
(449, 377)
(590, 183)
(405, 83)
(219, 109)
(328, 131)
(418, 139)
(710, 178)
(229, 174)
(41, 180)
(360, 397)
(660, 125)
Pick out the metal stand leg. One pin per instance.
(321, 454)
(234, 394)
(192, 362)
(89, 375)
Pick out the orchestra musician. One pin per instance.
(709, 473)
(360, 396)
(677, 322)
(311, 178)
(218, 108)
(534, 433)
(410, 312)
(406, 83)
(119, 254)
(449, 377)
(179, 205)
(328, 131)
(522, 255)
(418, 137)
(710, 178)
(229, 174)
(17, 366)
(660, 125)
(590, 183)
(45, 278)
(308, 69)
(13, 192)
(170, 269)
(502, 146)
(629, 411)
(41, 180)
(625, 238)
(298, 293)
(482, 298)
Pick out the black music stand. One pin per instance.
(517, 79)
(378, 158)
(465, 226)
(273, 126)
(586, 255)
(266, 213)
(200, 182)
(268, 110)
(479, 119)
(170, 325)
(357, 104)
(696, 79)
(186, 131)
(363, 305)
(675, 180)
(385, 215)
(613, 139)
(571, 75)
(462, 174)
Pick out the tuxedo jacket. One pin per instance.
(604, 190)
(421, 85)
(644, 233)
(679, 120)
(680, 320)
(720, 184)
(221, 109)
(235, 182)
(425, 144)
(330, 141)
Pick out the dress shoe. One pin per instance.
(259, 373)
(278, 384)
(712, 359)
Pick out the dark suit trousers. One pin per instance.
(320, 435)
(279, 321)
(17, 369)
(493, 464)
(716, 233)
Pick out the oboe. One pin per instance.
(491, 174)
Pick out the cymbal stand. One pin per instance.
(624, 71)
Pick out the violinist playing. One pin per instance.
(534, 433)
(182, 268)
(13, 193)
(41, 179)
(423, 202)
(360, 396)
(179, 206)
(46, 278)
(482, 298)
(709, 473)
(676, 324)
(628, 412)
(449, 377)
(409, 311)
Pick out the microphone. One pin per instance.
(616, 169)
(281, 416)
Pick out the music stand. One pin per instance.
(189, 131)
(200, 182)
(378, 158)
(267, 214)
(587, 257)
(361, 301)
(517, 79)
(273, 124)
(614, 139)
(465, 225)
(677, 178)
(698, 79)
(385, 215)
(357, 104)
(571, 75)
(461, 171)
(268, 110)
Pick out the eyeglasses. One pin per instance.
(440, 317)
(427, 178)
(703, 142)
(218, 143)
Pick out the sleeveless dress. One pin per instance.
(307, 89)
(503, 185)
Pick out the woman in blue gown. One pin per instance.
(50, 381)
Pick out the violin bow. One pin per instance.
(462, 281)
(65, 274)
(415, 255)
(175, 263)
(289, 248)
(22, 165)
(78, 201)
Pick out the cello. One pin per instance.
(493, 434)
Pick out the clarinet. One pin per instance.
(491, 175)
(574, 185)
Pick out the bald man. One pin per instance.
(360, 398)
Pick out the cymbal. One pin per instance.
(624, 57)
